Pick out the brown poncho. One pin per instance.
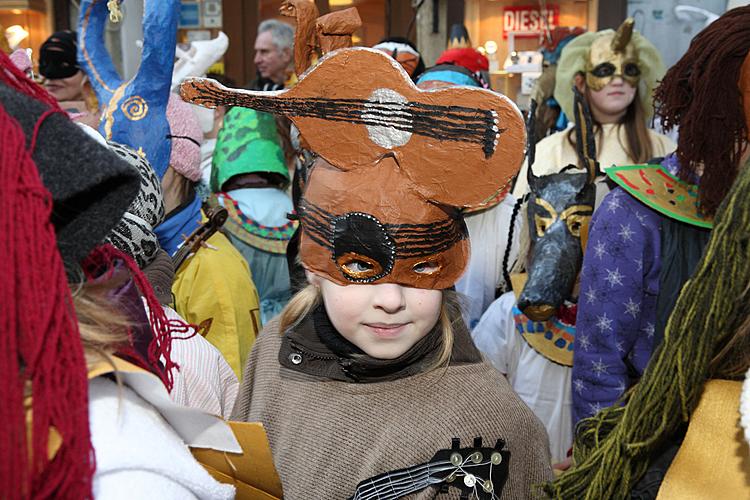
(328, 435)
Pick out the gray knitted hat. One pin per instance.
(91, 186)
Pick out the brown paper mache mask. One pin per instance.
(397, 165)
(613, 55)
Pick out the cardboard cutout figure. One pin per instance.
(315, 35)
(382, 204)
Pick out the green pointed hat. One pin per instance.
(247, 143)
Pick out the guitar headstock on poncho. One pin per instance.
(478, 472)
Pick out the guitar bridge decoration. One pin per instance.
(396, 165)
(478, 472)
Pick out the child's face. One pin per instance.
(610, 102)
(383, 320)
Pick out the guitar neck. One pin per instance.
(446, 123)
(397, 484)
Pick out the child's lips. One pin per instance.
(386, 330)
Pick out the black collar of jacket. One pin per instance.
(314, 347)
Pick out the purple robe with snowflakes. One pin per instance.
(617, 302)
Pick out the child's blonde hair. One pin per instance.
(307, 299)
(103, 328)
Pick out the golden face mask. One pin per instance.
(613, 55)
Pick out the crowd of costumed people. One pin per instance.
(359, 276)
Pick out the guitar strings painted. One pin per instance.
(425, 470)
(449, 123)
(405, 485)
(412, 486)
(414, 240)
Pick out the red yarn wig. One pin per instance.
(40, 347)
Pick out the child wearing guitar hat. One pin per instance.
(368, 383)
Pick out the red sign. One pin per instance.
(527, 21)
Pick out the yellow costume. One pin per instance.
(713, 459)
(555, 152)
(214, 289)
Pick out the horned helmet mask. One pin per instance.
(613, 55)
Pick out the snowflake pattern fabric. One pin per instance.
(617, 307)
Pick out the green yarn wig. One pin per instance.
(248, 143)
(613, 449)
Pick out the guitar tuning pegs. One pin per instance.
(478, 442)
(496, 458)
(487, 486)
(455, 444)
(500, 444)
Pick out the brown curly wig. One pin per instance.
(700, 94)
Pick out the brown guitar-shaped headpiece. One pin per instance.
(429, 130)
(396, 166)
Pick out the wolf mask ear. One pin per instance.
(585, 143)
(531, 145)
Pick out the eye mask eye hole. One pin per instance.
(362, 248)
(577, 219)
(426, 267)
(574, 226)
(358, 266)
(542, 224)
(603, 70)
(632, 69)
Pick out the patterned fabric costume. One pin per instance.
(617, 306)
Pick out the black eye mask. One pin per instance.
(361, 239)
(366, 250)
(58, 56)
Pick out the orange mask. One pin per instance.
(397, 165)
